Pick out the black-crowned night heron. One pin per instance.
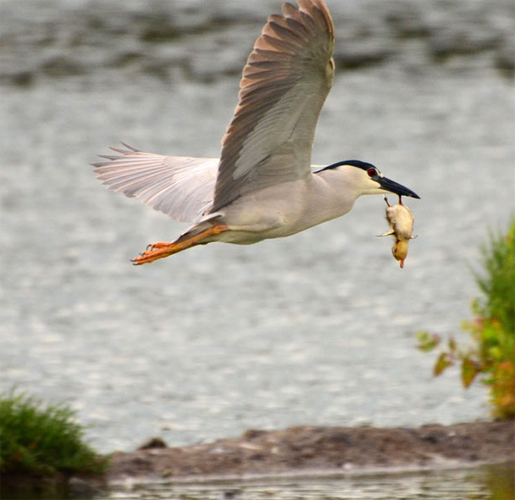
(263, 186)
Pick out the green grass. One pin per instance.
(43, 440)
(497, 282)
(492, 330)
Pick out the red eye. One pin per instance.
(372, 172)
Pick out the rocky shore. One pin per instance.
(321, 449)
(308, 451)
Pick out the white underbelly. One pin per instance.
(276, 212)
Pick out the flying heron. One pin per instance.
(263, 186)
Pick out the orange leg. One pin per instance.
(161, 249)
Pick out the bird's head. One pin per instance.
(367, 179)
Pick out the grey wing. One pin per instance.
(180, 187)
(285, 83)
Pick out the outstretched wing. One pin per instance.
(285, 82)
(180, 187)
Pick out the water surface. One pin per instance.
(313, 329)
(476, 483)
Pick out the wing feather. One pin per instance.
(284, 85)
(180, 187)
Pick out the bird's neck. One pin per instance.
(336, 191)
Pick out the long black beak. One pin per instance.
(394, 187)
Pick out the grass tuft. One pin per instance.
(43, 440)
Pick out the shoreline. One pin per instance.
(309, 452)
(320, 451)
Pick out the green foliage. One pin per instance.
(42, 440)
(492, 355)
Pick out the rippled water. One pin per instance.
(486, 482)
(313, 329)
(479, 483)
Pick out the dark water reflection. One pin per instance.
(492, 482)
(487, 482)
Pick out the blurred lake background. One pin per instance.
(316, 329)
